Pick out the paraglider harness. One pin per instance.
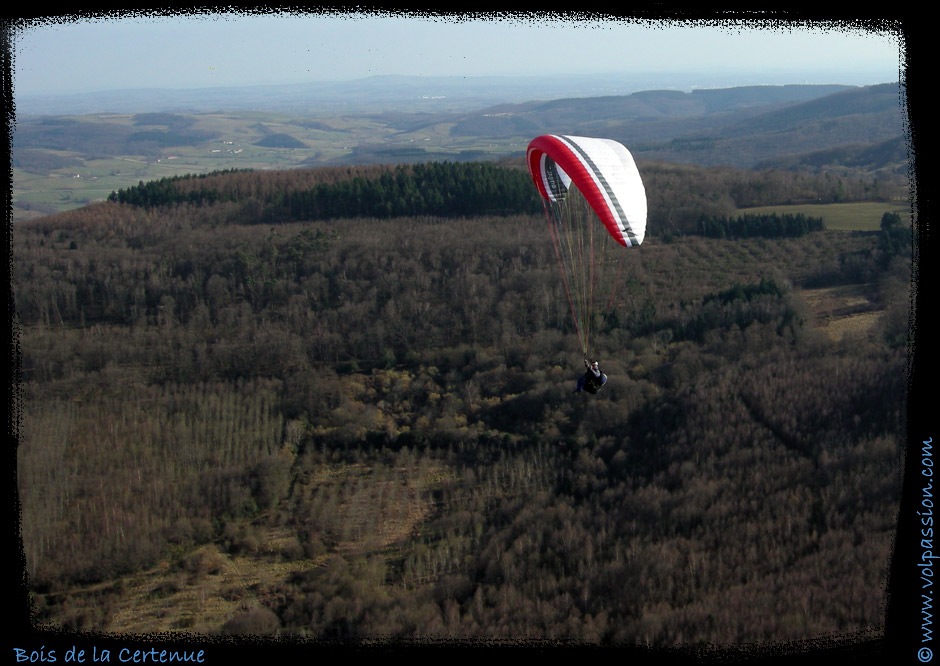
(593, 379)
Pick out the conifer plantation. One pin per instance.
(359, 381)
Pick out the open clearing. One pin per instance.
(843, 310)
(200, 590)
(861, 216)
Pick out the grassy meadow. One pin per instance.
(855, 216)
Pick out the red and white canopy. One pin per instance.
(604, 172)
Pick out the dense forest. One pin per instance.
(391, 393)
(683, 199)
(439, 189)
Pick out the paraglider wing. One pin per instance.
(604, 172)
(582, 180)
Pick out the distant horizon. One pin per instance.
(219, 51)
(337, 95)
(796, 78)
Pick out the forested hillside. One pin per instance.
(680, 196)
(373, 413)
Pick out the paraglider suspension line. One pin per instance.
(554, 225)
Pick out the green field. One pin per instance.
(93, 177)
(69, 179)
(862, 216)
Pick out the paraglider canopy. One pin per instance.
(602, 170)
(584, 182)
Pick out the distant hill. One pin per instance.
(833, 128)
(105, 138)
(280, 141)
(889, 155)
(639, 106)
(736, 126)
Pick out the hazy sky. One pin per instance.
(65, 55)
